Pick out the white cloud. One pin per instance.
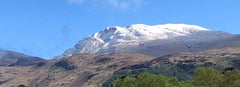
(76, 1)
(119, 4)
(125, 4)
(113, 2)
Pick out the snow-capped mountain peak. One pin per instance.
(157, 31)
(135, 38)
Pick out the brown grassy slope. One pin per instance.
(81, 70)
(223, 56)
(183, 65)
(214, 55)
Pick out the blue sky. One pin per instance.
(46, 28)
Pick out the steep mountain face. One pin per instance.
(10, 58)
(155, 40)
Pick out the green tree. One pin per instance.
(147, 80)
(203, 77)
(231, 78)
(206, 77)
(22, 85)
(125, 82)
(173, 82)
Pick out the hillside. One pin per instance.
(81, 70)
(183, 65)
(90, 70)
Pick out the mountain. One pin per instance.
(99, 59)
(10, 58)
(157, 40)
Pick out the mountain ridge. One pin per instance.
(139, 37)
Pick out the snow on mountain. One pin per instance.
(139, 37)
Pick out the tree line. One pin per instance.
(203, 77)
